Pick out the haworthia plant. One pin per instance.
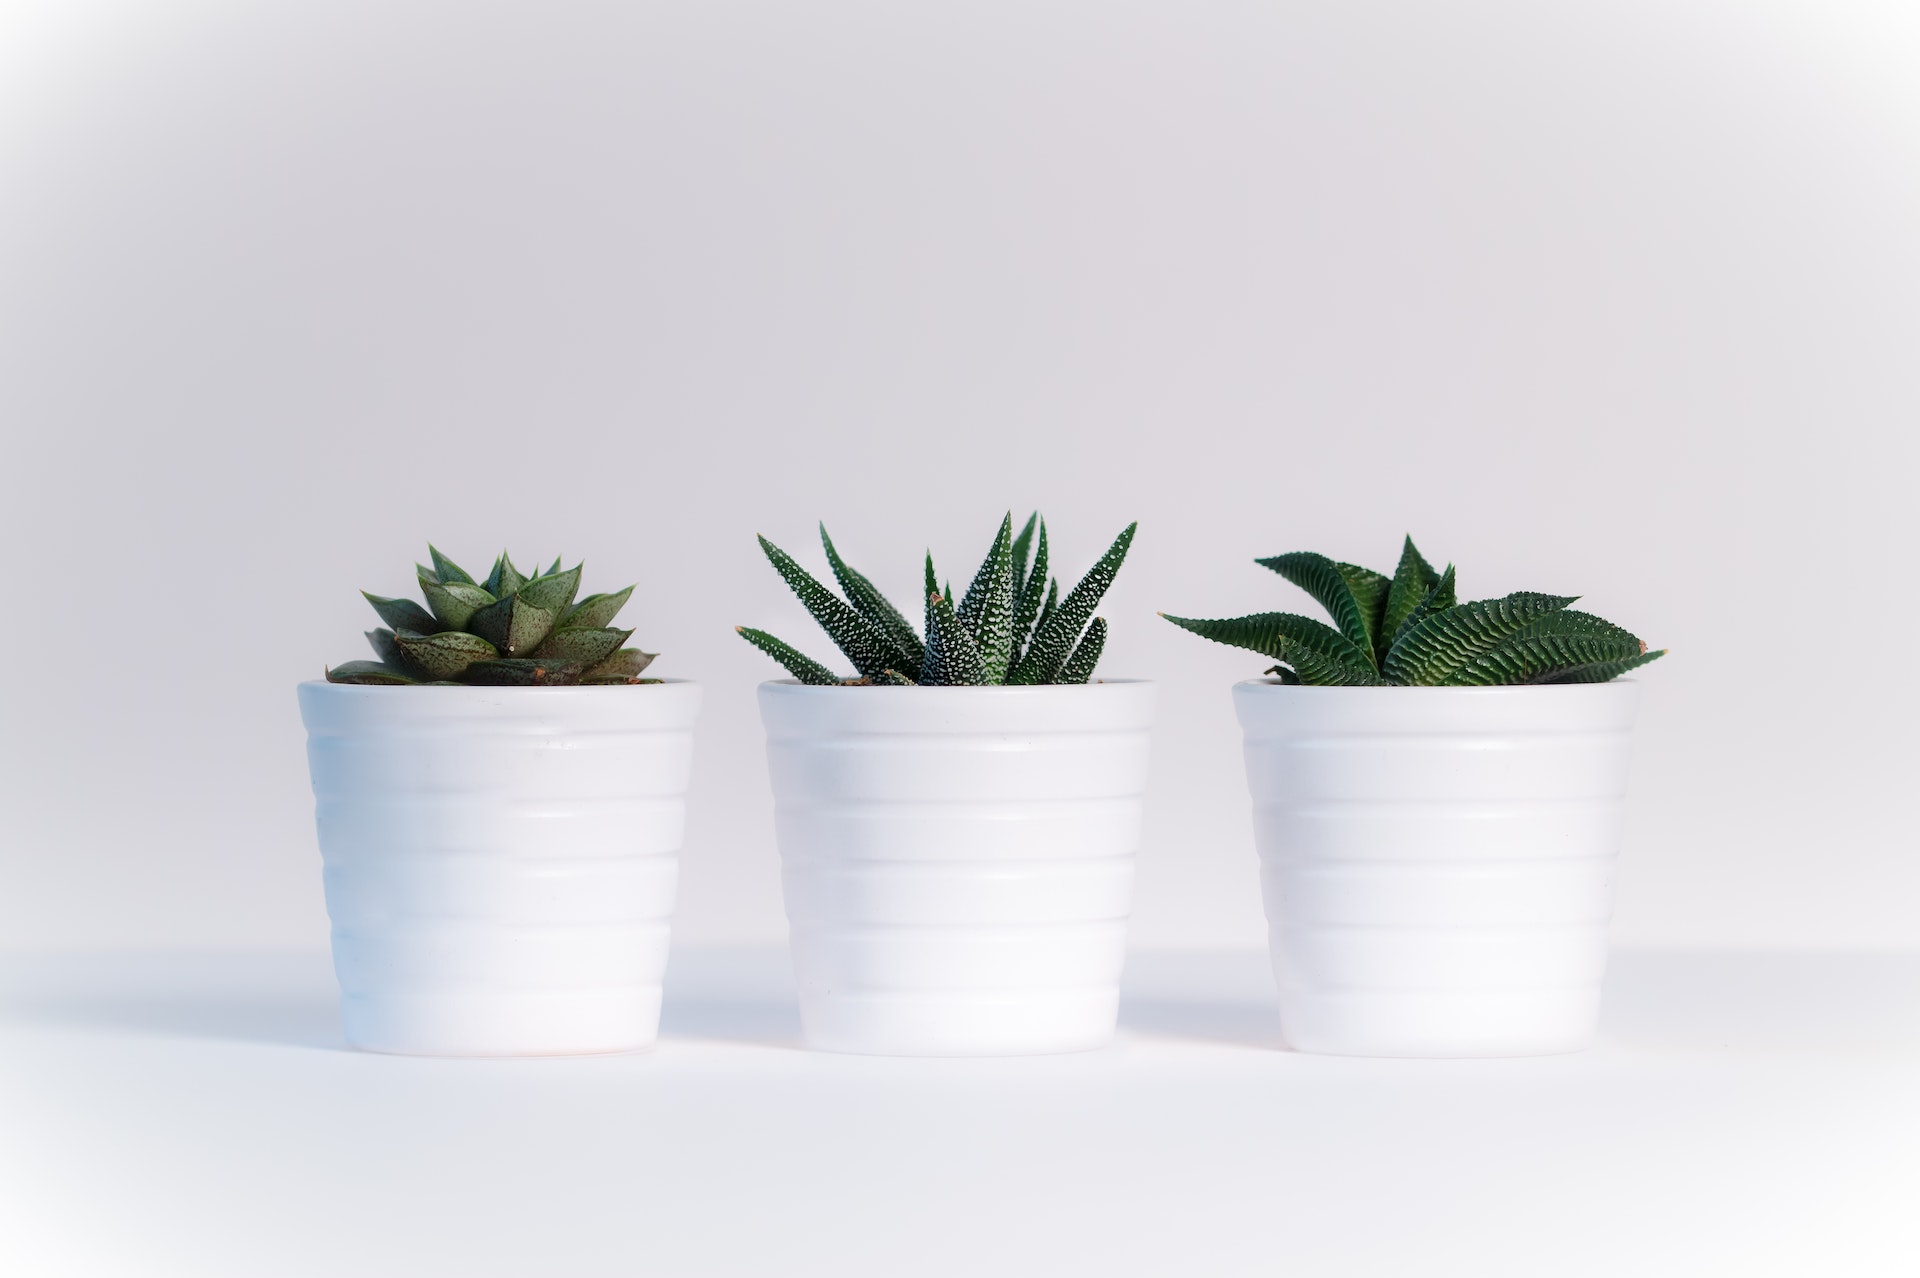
(1409, 629)
(1011, 626)
(511, 628)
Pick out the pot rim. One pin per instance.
(574, 689)
(1027, 689)
(1480, 690)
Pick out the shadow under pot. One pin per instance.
(500, 863)
(1438, 863)
(958, 861)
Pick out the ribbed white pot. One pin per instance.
(1438, 863)
(958, 862)
(500, 863)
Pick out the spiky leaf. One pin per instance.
(368, 673)
(505, 578)
(875, 607)
(625, 665)
(444, 655)
(1369, 590)
(447, 571)
(513, 625)
(597, 611)
(797, 663)
(1022, 551)
(523, 672)
(853, 634)
(384, 648)
(553, 593)
(1442, 597)
(1433, 649)
(453, 603)
(892, 679)
(1559, 641)
(1086, 656)
(987, 609)
(1054, 638)
(953, 655)
(404, 614)
(1320, 577)
(1600, 671)
(1317, 652)
(1411, 581)
(587, 646)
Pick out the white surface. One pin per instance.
(500, 863)
(1617, 299)
(1749, 1114)
(1438, 863)
(958, 862)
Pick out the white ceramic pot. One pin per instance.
(1438, 863)
(958, 862)
(500, 863)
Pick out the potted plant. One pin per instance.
(500, 800)
(1437, 793)
(957, 822)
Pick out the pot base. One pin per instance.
(1430, 1024)
(595, 1022)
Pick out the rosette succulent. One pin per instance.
(509, 629)
(1011, 627)
(1409, 629)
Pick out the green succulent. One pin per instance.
(1409, 629)
(511, 629)
(1011, 627)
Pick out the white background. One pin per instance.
(1620, 299)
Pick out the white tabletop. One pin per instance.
(198, 1115)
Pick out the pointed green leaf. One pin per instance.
(369, 673)
(1411, 582)
(512, 625)
(1600, 671)
(953, 656)
(448, 571)
(1317, 652)
(404, 614)
(855, 636)
(1320, 577)
(587, 646)
(552, 568)
(444, 655)
(454, 602)
(1033, 596)
(875, 607)
(797, 663)
(384, 648)
(1442, 597)
(1086, 656)
(1433, 649)
(933, 587)
(522, 672)
(893, 679)
(1557, 642)
(554, 593)
(1022, 551)
(1369, 590)
(624, 665)
(987, 609)
(598, 611)
(1054, 638)
(505, 578)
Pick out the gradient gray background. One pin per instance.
(1613, 299)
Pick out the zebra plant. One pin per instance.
(508, 629)
(1011, 627)
(1409, 629)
